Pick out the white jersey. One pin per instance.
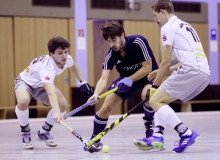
(43, 69)
(186, 45)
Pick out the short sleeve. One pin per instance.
(167, 35)
(141, 47)
(109, 61)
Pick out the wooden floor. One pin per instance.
(207, 124)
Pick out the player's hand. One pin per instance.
(57, 117)
(152, 90)
(152, 75)
(85, 89)
(124, 84)
(94, 97)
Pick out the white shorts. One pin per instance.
(37, 93)
(186, 83)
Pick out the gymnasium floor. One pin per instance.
(207, 124)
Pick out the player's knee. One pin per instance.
(105, 111)
(23, 103)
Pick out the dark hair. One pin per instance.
(163, 4)
(111, 29)
(57, 42)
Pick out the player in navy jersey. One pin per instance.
(133, 59)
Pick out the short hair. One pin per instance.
(111, 29)
(163, 4)
(57, 42)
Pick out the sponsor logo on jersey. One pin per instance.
(47, 78)
(118, 62)
(27, 70)
(164, 38)
(133, 67)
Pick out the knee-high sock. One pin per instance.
(99, 125)
(49, 122)
(167, 114)
(160, 125)
(22, 116)
(148, 113)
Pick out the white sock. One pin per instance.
(50, 120)
(22, 116)
(167, 114)
(158, 122)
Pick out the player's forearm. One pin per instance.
(142, 72)
(54, 102)
(75, 70)
(101, 86)
(162, 72)
(173, 68)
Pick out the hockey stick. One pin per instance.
(114, 124)
(74, 133)
(89, 103)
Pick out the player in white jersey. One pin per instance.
(37, 81)
(187, 80)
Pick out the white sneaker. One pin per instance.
(47, 138)
(26, 139)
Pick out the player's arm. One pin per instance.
(51, 92)
(85, 89)
(143, 71)
(152, 75)
(75, 70)
(101, 84)
(164, 65)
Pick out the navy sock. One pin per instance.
(25, 128)
(47, 127)
(99, 125)
(148, 113)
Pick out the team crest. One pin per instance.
(164, 38)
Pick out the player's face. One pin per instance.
(160, 17)
(117, 43)
(60, 56)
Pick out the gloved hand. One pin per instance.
(85, 89)
(152, 90)
(124, 84)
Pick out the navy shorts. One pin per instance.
(137, 86)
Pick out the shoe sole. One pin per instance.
(45, 142)
(142, 146)
(197, 138)
(157, 145)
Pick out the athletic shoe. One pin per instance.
(96, 147)
(47, 138)
(185, 142)
(149, 143)
(26, 140)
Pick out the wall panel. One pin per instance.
(71, 35)
(6, 62)
(24, 41)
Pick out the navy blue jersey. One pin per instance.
(137, 50)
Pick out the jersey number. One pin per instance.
(38, 59)
(195, 36)
(191, 30)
